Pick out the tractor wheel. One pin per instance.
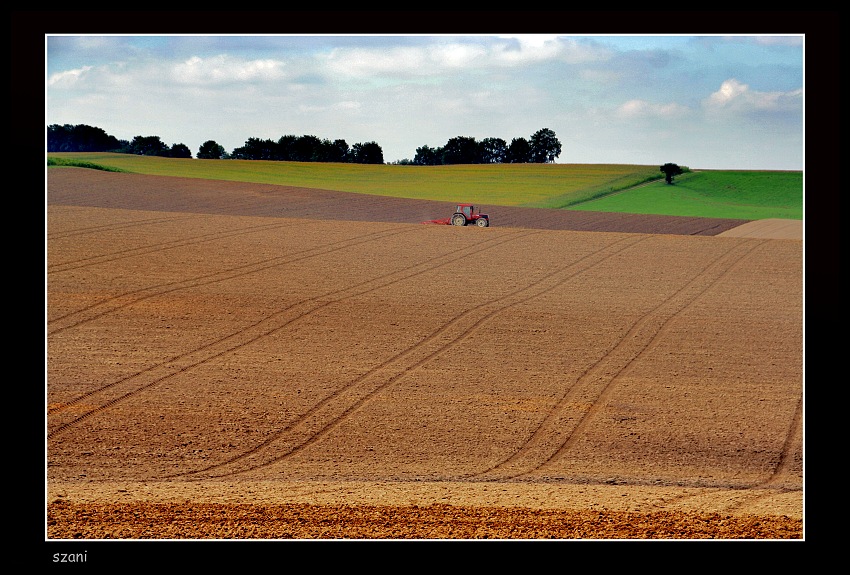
(482, 222)
(458, 220)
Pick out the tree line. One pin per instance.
(83, 138)
(541, 147)
(293, 148)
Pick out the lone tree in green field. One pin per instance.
(671, 170)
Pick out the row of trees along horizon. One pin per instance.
(542, 147)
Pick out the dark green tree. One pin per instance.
(338, 151)
(148, 146)
(427, 156)
(492, 151)
(461, 150)
(178, 151)
(545, 146)
(307, 148)
(326, 151)
(367, 153)
(519, 151)
(257, 149)
(210, 150)
(80, 138)
(286, 147)
(671, 170)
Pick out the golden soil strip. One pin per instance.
(776, 229)
(544, 496)
(302, 521)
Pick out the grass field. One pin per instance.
(596, 187)
(745, 195)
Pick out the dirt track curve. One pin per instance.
(229, 361)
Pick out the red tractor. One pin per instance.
(465, 214)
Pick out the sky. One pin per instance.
(721, 102)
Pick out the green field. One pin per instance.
(597, 187)
(712, 194)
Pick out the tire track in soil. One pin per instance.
(794, 437)
(327, 414)
(115, 392)
(587, 397)
(782, 469)
(209, 279)
(115, 303)
(117, 226)
(764, 490)
(160, 247)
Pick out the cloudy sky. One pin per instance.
(710, 102)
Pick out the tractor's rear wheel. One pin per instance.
(482, 222)
(458, 220)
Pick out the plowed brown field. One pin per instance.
(229, 361)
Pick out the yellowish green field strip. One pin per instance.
(597, 187)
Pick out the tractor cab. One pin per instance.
(465, 209)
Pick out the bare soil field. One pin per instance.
(241, 361)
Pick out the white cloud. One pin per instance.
(346, 106)
(223, 69)
(68, 77)
(531, 48)
(366, 63)
(738, 97)
(477, 55)
(601, 77)
(729, 91)
(456, 56)
(532, 41)
(644, 109)
(535, 48)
